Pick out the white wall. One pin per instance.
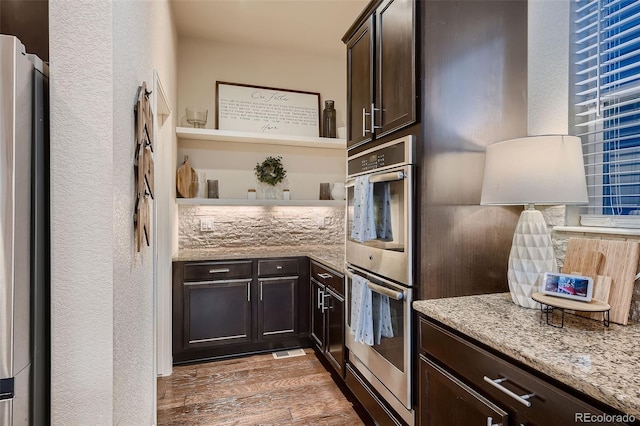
(548, 77)
(548, 67)
(202, 63)
(102, 294)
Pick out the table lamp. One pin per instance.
(542, 170)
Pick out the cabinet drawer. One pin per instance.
(547, 403)
(213, 271)
(328, 277)
(277, 267)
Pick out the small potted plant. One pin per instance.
(270, 172)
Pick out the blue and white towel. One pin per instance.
(382, 326)
(361, 311)
(382, 197)
(364, 224)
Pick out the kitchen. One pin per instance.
(100, 287)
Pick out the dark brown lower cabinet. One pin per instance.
(277, 310)
(227, 308)
(462, 383)
(448, 401)
(217, 312)
(327, 314)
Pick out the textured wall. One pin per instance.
(142, 40)
(81, 212)
(236, 226)
(548, 67)
(102, 291)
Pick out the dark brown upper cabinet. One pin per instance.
(381, 72)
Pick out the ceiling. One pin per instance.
(315, 26)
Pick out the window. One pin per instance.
(606, 58)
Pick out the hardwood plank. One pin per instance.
(254, 390)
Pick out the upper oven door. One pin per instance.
(388, 250)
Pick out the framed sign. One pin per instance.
(258, 109)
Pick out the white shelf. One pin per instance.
(247, 202)
(259, 138)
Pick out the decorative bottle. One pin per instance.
(328, 120)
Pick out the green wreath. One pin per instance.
(270, 171)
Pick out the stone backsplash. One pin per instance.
(554, 216)
(247, 226)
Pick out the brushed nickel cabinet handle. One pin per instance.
(278, 267)
(364, 122)
(522, 399)
(261, 291)
(249, 291)
(219, 271)
(325, 275)
(373, 118)
(320, 302)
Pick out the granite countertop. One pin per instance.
(329, 255)
(585, 355)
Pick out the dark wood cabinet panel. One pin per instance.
(445, 400)
(360, 84)
(217, 313)
(277, 308)
(222, 308)
(327, 317)
(277, 267)
(381, 73)
(208, 271)
(527, 397)
(395, 93)
(334, 339)
(317, 316)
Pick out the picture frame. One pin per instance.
(270, 110)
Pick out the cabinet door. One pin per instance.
(360, 85)
(277, 307)
(216, 313)
(395, 95)
(334, 312)
(317, 316)
(445, 400)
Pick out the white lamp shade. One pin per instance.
(543, 170)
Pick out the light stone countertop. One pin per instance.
(329, 255)
(585, 355)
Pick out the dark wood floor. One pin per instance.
(254, 390)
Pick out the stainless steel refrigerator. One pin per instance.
(24, 368)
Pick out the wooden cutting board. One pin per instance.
(601, 291)
(620, 262)
(185, 178)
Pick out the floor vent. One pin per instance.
(289, 354)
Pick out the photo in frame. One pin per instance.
(259, 109)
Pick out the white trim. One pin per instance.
(597, 230)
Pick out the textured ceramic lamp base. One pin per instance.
(530, 257)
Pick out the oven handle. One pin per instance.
(382, 177)
(396, 295)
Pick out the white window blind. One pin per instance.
(606, 73)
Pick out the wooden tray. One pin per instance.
(575, 305)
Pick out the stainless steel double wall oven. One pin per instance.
(382, 260)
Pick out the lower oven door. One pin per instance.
(388, 358)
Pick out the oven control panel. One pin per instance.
(391, 154)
